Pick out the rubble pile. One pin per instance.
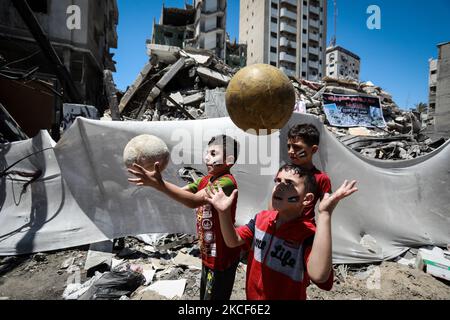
(183, 84)
(402, 139)
(173, 85)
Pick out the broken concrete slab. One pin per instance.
(215, 104)
(142, 76)
(99, 257)
(213, 78)
(163, 53)
(195, 98)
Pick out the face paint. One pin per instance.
(301, 154)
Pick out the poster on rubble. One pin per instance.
(353, 111)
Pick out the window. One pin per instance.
(273, 49)
(434, 72)
(304, 31)
(168, 34)
(274, 20)
(304, 45)
(39, 6)
(305, 17)
(273, 63)
(303, 74)
(274, 35)
(303, 59)
(274, 5)
(331, 73)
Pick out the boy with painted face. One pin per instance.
(303, 143)
(219, 262)
(286, 250)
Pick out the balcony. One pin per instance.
(291, 2)
(314, 23)
(287, 57)
(314, 9)
(285, 13)
(314, 36)
(314, 50)
(284, 42)
(313, 64)
(287, 28)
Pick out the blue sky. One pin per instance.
(395, 57)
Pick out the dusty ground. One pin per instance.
(45, 276)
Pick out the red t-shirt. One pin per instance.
(215, 253)
(277, 261)
(323, 186)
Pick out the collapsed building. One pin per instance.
(52, 52)
(190, 84)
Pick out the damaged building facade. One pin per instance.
(81, 33)
(198, 26)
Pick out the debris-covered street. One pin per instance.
(60, 275)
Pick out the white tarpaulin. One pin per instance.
(399, 205)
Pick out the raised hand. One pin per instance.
(145, 177)
(219, 199)
(329, 202)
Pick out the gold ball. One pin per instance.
(260, 97)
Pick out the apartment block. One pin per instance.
(342, 63)
(289, 34)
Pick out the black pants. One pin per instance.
(217, 285)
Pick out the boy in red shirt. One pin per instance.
(303, 143)
(287, 250)
(219, 262)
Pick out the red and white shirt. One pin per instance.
(276, 266)
(215, 253)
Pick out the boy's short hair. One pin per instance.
(307, 175)
(306, 132)
(229, 145)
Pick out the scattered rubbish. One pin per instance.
(168, 288)
(407, 262)
(75, 290)
(188, 260)
(99, 257)
(435, 262)
(67, 263)
(146, 270)
(113, 285)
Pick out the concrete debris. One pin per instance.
(173, 85)
(170, 289)
(408, 127)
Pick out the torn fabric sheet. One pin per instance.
(83, 196)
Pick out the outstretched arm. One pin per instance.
(154, 179)
(320, 260)
(223, 205)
